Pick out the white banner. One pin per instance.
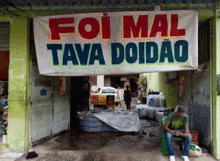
(116, 42)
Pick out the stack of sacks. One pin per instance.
(154, 107)
(142, 110)
(159, 115)
(153, 111)
(156, 104)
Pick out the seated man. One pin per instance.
(176, 124)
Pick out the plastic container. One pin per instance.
(140, 114)
(153, 100)
(142, 110)
(139, 110)
(91, 107)
(153, 110)
(89, 123)
(159, 116)
(161, 100)
(151, 113)
(145, 111)
(156, 100)
(195, 135)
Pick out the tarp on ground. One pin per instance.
(123, 121)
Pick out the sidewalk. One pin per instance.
(10, 155)
(105, 147)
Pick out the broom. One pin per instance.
(31, 153)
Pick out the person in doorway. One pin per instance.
(118, 98)
(127, 97)
(176, 124)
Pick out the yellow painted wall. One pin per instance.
(170, 91)
(215, 99)
(18, 84)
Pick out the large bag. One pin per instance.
(195, 150)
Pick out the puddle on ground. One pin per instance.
(91, 156)
(79, 140)
(93, 141)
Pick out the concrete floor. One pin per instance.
(107, 146)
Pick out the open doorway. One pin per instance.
(80, 93)
(78, 97)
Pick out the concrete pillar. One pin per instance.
(19, 77)
(100, 81)
(215, 99)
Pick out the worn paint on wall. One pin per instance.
(50, 112)
(197, 99)
(61, 109)
(197, 87)
(17, 76)
(187, 94)
(41, 105)
(201, 88)
(215, 100)
(18, 84)
(170, 91)
(153, 81)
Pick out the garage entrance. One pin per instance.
(62, 109)
(80, 93)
